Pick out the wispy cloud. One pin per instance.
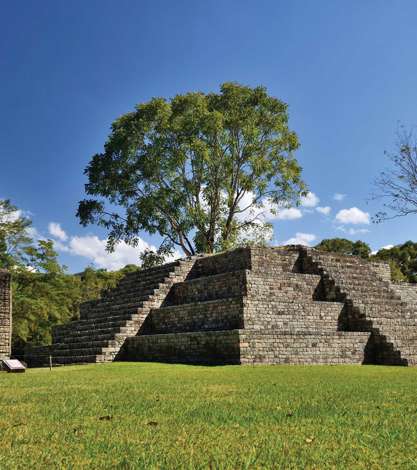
(56, 231)
(352, 216)
(352, 231)
(310, 200)
(301, 238)
(324, 210)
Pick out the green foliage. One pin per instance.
(44, 295)
(197, 169)
(43, 299)
(345, 247)
(150, 258)
(15, 240)
(403, 261)
(401, 258)
(159, 416)
(396, 273)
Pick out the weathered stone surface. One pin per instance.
(284, 305)
(5, 314)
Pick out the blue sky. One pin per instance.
(348, 71)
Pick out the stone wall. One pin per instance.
(381, 269)
(5, 314)
(209, 347)
(407, 292)
(276, 260)
(279, 347)
(212, 315)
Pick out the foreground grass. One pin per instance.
(136, 415)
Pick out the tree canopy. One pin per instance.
(397, 185)
(345, 247)
(403, 260)
(199, 170)
(15, 239)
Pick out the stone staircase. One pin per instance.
(105, 323)
(372, 304)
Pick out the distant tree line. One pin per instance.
(402, 258)
(44, 294)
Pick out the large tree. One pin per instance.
(397, 185)
(199, 169)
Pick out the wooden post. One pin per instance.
(50, 362)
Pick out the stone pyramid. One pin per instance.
(284, 305)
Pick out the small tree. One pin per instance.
(199, 169)
(397, 186)
(345, 247)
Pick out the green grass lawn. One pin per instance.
(137, 415)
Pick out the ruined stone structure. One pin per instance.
(5, 315)
(291, 305)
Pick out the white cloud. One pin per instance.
(287, 214)
(94, 249)
(59, 246)
(352, 216)
(387, 247)
(353, 231)
(267, 212)
(301, 239)
(338, 196)
(324, 210)
(56, 231)
(310, 200)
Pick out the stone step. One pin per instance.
(85, 344)
(201, 289)
(76, 351)
(97, 335)
(140, 294)
(94, 337)
(284, 286)
(136, 290)
(219, 314)
(111, 328)
(109, 309)
(93, 323)
(69, 360)
(294, 315)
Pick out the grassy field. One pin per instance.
(136, 415)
